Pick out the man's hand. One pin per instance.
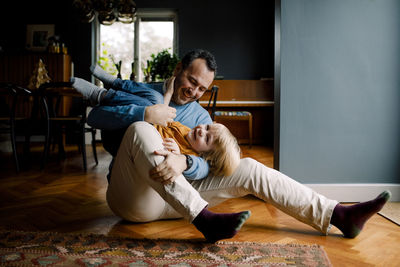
(172, 166)
(171, 145)
(159, 114)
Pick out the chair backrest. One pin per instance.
(21, 98)
(213, 100)
(7, 99)
(10, 93)
(54, 92)
(9, 96)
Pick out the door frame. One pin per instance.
(277, 83)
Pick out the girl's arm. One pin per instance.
(198, 168)
(169, 91)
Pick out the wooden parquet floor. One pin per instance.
(65, 199)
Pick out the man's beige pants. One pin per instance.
(133, 196)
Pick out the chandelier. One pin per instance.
(108, 11)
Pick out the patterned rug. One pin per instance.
(57, 249)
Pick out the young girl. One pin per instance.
(214, 142)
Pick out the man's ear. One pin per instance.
(178, 68)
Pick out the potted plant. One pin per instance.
(147, 71)
(161, 66)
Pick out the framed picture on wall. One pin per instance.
(37, 36)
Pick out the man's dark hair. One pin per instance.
(200, 53)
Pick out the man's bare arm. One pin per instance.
(172, 166)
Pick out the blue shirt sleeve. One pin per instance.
(199, 169)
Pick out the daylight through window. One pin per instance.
(154, 33)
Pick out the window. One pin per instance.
(116, 43)
(134, 43)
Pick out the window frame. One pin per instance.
(145, 14)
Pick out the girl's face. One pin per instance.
(202, 137)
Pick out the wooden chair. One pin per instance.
(229, 115)
(213, 99)
(238, 115)
(9, 96)
(72, 123)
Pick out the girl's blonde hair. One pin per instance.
(225, 156)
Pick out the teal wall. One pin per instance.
(340, 91)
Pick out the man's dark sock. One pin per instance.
(217, 226)
(351, 219)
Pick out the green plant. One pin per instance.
(117, 65)
(147, 70)
(105, 63)
(162, 65)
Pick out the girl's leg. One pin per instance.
(102, 75)
(89, 90)
(139, 89)
(132, 87)
(97, 95)
(121, 98)
(115, 117)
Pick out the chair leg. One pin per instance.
(250, 131)
(94, 145)
(46, 148)
(14, 149)
(83, 144)
(47, 132)
(26, 151)
(60, 141)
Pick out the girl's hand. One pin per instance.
(170, 90)
(170, 145)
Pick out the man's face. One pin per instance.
(190, 84)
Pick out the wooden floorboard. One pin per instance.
(63, 198)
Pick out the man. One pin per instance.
(194, 74)
(136, 194)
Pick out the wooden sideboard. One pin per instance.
(255, 96)
(18, 68)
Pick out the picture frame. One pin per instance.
(37, 36)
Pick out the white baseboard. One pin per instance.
(355, 192)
